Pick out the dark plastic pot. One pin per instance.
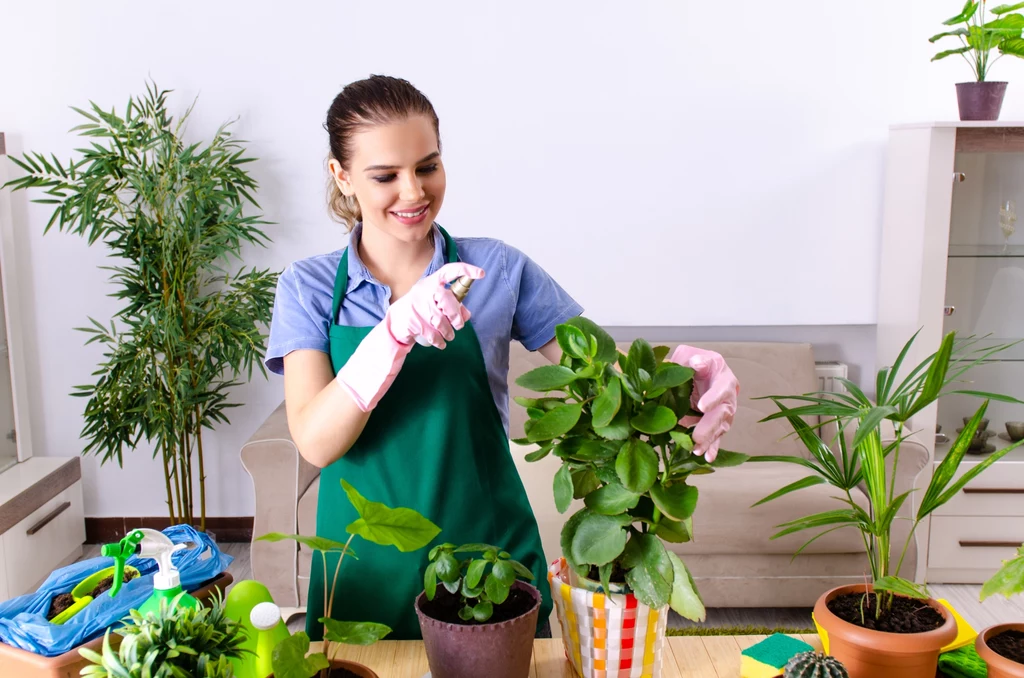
(980, 100)
(502, 650)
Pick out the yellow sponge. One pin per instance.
(767, 658)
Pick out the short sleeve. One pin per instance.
(295, 324)
(540, 303)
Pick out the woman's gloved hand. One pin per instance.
(715, 394)
(428, 313)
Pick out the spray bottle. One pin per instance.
(148, 543)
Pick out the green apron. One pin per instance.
(436, 444)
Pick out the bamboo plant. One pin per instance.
(171, 216)
(862, 461)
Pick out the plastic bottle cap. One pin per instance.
(265, 616)
(165, 581)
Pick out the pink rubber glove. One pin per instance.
(428, 312)
(715, 393)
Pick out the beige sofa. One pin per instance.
(732, 558)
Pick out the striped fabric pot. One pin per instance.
(606, 636)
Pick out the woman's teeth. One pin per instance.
(411, 215)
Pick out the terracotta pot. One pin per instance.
(980, 100)
(358, 669)
(501, 650)
(876, 654)
(998, 665)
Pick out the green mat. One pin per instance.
(737, 631)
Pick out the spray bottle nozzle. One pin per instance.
(121, 552)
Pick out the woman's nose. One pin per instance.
(412, 189)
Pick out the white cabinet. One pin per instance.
(42, 521)
(952, 259)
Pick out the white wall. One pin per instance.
(730, 157)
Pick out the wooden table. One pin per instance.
(685, 657)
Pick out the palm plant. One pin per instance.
(862, 461)
(171, 216)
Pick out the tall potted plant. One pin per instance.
(1002, 645)
(982, 99)
(880, 629)
(614, 421)
(171, 215)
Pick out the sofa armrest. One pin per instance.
(280, 476)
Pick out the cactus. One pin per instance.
(814, 665)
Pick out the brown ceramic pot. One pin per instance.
(998, 665)
(502, 650)
(358, 669)
(875, 654)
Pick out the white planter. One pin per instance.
(606, 635)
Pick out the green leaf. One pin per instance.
(901, 587)
(555, 423)
(870, 422)
(939, 36)
(466, 613)
(675, 531)
(403, 528)
(809, 481)
(539, 453)
(1003, 9)
(598, 539)
(1009, 580)
(651, 574)
(569, 533)
(606, 350)
(447, 568)
(563, 488)
(354, 633)
(595, 450)
(430, 581)
(573, 341)
(607, 404)
(727, 459)
(823, 519)
(504, 572)
(654, 419)
(315, 543)
(611, 499)
(496, 590)
(521, 570)
(290, 659)
(641, 356)
(965, 15)
(677, 502)
(671, 375)
(547, 378)
(619, 429)
(476, 547)
(475, 573)
(584, 481)
(605, 574)
(483, 610)
(1012, 46)
(685, 599)
(683, 440)
(637, 466)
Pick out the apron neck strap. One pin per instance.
(341, 279)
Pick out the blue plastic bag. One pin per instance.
(23, 621)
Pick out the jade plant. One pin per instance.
(979, 38)
(176, 641)
(861, 457)
(481, 583)
(403, 528)
(613, 420)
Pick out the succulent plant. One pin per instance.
(814, 665)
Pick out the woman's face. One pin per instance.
(397, 177)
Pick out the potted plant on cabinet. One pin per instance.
(1002, 645)
(614, 421)
(403, 528)
(482, 619)
(982, 99)
(179, 640)
(888, 627)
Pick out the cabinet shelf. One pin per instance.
(986, 252)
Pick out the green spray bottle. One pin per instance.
(148, 543)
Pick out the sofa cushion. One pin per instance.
(725, 523)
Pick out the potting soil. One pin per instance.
(1009, 644)
(906, 616)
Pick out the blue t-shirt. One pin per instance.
(516, 299)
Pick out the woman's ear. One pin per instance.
(341, 178)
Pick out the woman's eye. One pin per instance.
(384, 178)
(427, 169)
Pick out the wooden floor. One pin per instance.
(964, 598)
